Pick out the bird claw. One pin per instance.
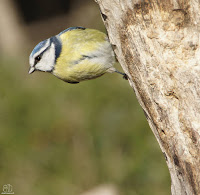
(125, 76)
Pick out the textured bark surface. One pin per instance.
(157, 43)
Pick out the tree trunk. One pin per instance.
(13, 38)
(157, 44)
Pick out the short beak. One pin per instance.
(31, 70)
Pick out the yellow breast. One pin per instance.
(86, 54)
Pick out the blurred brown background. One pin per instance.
(57, 138)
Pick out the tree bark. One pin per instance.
(157, 43)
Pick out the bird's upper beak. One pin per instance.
(31, 70)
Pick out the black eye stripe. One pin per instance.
(37, 59)
(40, 55)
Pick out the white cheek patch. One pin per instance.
(47, 62)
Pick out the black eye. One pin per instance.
(37, 59)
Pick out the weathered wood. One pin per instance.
(157, 44)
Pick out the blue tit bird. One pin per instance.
(74, 55)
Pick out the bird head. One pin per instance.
(44, 55)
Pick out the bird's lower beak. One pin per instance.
(31, 70)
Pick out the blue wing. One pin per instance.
(71, 28)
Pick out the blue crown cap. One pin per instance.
(38, 47)
(71, 28)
